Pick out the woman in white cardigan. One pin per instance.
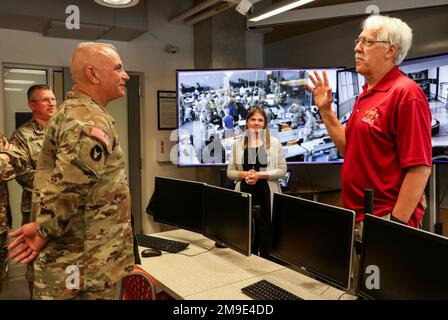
(257, 163)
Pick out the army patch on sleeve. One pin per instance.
(96, 153)
(101, 135)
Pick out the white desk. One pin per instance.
(296, 283)
(196, 269)
(198, 273)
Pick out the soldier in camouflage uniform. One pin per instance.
(298, 111)
(82, 237)
(28, 138)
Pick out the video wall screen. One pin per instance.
(350, 85)
(431, 74)
(213, 105)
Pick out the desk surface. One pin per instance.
(295, 282)
(205, 273)
(196, 269)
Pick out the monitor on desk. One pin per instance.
(409, 263)
(314, 237)
(178, 203)
(228, 219)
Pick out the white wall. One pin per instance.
(144, 54)
(254, 49)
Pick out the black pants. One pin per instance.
(261, 216)
(261, 230)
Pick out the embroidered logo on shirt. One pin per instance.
(371, 115)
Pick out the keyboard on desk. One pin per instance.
(160, 243)
(265, 290)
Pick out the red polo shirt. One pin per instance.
(389, 131)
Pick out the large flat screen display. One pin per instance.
(213, 105)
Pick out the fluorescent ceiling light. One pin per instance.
(118, 3)
(279, 8)
(27, 71)
(19, 81)
(12, 89)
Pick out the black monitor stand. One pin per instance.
(368, 201)
(368, 209)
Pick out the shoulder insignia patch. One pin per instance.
(96, 153)
(101, 135)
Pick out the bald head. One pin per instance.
(88, 54)
(97, 70)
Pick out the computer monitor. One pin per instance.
(179, 203)
(314, 237)
(410, 263)
(151, 204)
(228, 218)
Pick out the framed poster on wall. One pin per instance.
(166, 110)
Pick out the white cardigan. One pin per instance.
(276, 165)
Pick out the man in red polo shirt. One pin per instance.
(387, 141)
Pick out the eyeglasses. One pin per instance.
(46, 100)
(367, 43)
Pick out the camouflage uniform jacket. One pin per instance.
(6, 173)
(28, 139)
(81, 201)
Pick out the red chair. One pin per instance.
(140, 285)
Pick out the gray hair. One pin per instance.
(394, 31)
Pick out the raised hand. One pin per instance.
(321, 91)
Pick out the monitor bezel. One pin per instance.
(216, 239)
(310, 272)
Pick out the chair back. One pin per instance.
(138, 285)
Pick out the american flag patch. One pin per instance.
(100, 134)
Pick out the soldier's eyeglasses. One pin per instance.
(46, 100)
(367, 43)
